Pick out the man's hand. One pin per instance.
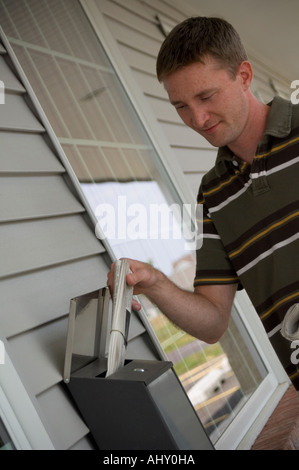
(203, 313)
(143, 278)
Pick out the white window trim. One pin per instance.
(11, 423)
(250, 421)
(18, 413)
(256, 412)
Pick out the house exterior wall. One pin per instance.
(49, 254)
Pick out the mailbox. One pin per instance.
(142, 405)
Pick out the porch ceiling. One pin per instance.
(268, 28)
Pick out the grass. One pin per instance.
(171, 338)
(198, 358)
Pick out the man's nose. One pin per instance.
(199, 118)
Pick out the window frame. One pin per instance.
(249, 422)
(243, 430)
(18, 412)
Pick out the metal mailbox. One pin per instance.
(142, 405)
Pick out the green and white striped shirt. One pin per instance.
(251, 225)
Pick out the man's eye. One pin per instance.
(206, 98)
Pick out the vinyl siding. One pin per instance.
(49, 254)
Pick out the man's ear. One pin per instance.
(245, 73)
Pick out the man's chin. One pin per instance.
(216, 141)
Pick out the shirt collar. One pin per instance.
(280, 117)
(278, 125)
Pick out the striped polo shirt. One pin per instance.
(251, 226)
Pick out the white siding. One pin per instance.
(49, 254)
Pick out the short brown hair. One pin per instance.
(197, 37)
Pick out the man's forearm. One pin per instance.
(202, 313)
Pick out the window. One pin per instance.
(121, 172)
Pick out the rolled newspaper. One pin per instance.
(121, 313)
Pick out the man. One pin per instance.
(250, 198)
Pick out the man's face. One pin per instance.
(210, 101)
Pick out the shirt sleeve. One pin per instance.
(212, 263)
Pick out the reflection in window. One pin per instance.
(115, 160)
